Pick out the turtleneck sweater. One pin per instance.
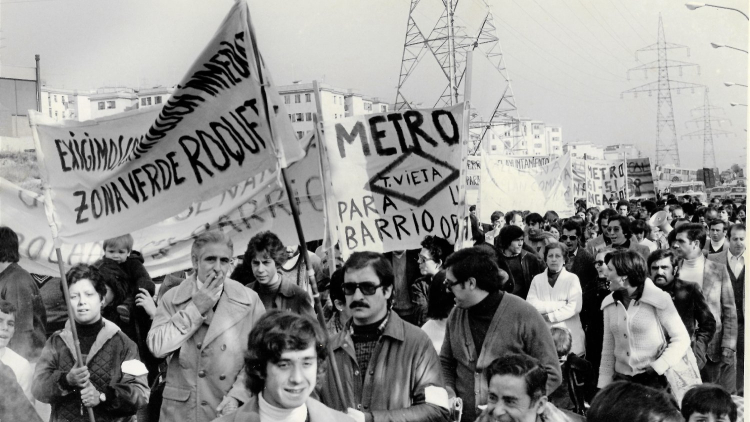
(692, 270)
(271, 413)
(268, 292)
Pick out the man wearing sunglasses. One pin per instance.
(389, 368)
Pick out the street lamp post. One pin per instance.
(737, 104)
(733, 83)
(692, 5)
(716, 45)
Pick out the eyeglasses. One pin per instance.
(564, 237)
(367, 288)
(598, 263)
(448, 284)
(614, 229)
(422, 259)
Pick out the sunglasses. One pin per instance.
(564, 237)
(367, 288)
(448, 284)
(598, 263)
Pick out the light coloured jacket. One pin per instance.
(719, 293)
(207, 350)
(316, 411)
(633, 339)
(562, 304)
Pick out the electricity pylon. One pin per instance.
(707, 133)
(667, 149)
(449, 45)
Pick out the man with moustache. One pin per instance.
(717, 233)
(663, 267)
(389, 368)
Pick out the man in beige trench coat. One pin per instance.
(204, 324)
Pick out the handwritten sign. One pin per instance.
(640, 179)
(538, 189)
(605, 180)
(395, 177)
(241, 211)
(579, 178)
(117, 174)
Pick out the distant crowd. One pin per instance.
(630, 313)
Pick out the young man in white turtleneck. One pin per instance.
(714, 280)
(285, 352)
(717, 231)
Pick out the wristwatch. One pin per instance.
(102, 397)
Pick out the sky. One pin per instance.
(568, 60)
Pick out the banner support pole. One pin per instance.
(71, 320)
(298, 225)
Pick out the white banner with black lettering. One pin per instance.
(396, 177)
(256, 204)
(118, 174)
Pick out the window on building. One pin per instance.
(300, 117)
(556, 148)
(308, 116)
(286, 99)
(110, 104)
(335, 99)
(62, 98)
(49, 100)
(554, 129)
(300, 134)
(537, 145)
(291, 118)
(50, 113)
(157, 99)
(536, 136)
(296, 98)
(146, 101)
(494, 147)
(55, 98)
(383, 108)
(308, 98)
(101, 105)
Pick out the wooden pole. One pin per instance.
(71, 320)
(301, 236)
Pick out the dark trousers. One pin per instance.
(648, 378)
(721, 373)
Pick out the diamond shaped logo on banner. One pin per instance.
(415, 177)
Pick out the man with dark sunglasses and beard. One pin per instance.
(389, 369)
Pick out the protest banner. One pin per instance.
(254, 205)
(118, 174)
(579, 178)
(538, 189)
(520, 162)
(396, 177)
(640, 179)
(605, 180)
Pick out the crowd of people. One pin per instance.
(630, 313)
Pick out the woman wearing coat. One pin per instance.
(112, 382)
(556, 294)
(203, 324)
(638, 318)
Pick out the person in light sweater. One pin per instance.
(638, 320)
(556, 294)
